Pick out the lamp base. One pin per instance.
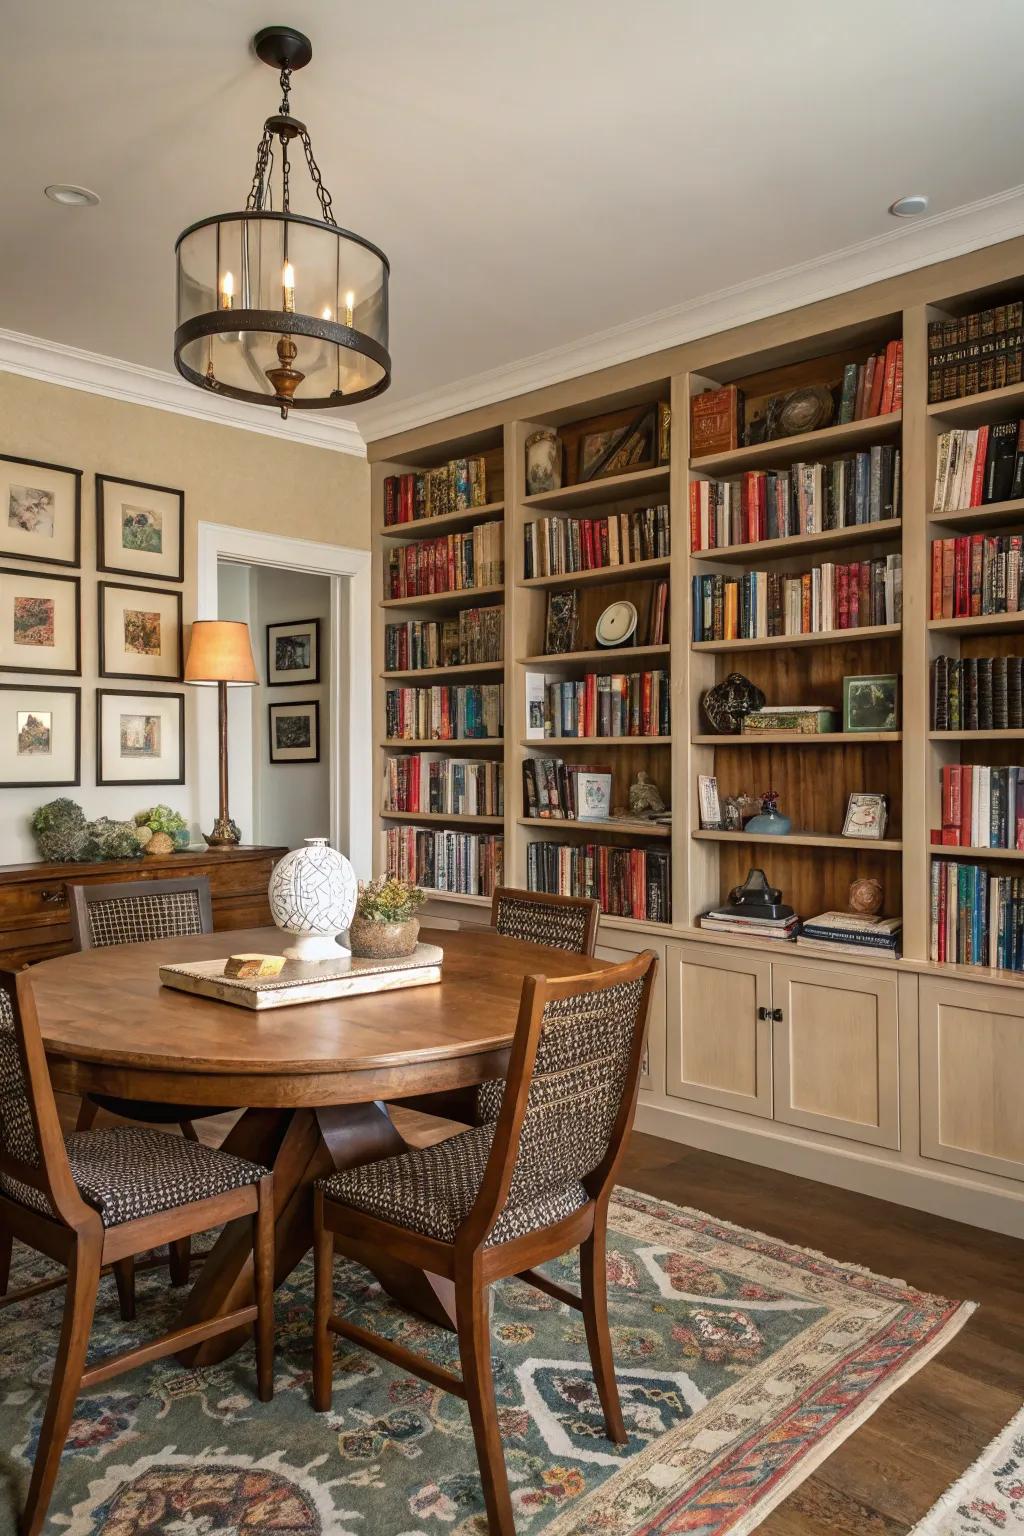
(225, 834)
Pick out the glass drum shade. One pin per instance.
(234, 308)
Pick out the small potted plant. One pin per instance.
(385, 925)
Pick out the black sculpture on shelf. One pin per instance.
(728, 701)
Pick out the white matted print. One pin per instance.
(293, 653)
(40, 512)
(140, 529)
(40, 736)
(140, 632)
(294, 731)
(140, 737)
(40, 626)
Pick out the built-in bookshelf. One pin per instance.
(887, 526)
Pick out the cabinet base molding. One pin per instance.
(935, 1191)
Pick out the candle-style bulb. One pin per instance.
(288, 284)
(227, 290)
(350, 303)
(327, 312)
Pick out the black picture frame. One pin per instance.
(301, 682)
(102, 564)
(61, 469)
(313, 705)
(102, 588)
(135, 693)
(51, 783)
(76, 581)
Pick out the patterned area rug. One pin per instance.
(989, 1499)
(742, 1363)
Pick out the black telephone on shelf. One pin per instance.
(754, 898)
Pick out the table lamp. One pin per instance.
(219, 652)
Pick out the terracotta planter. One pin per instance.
(373, 940)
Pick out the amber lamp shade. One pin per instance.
(220, 652)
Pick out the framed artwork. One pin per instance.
(140, 737)
(40, 512)
(40, 622)
(871, 703)
(40, 736)
(614, 450)
(294, 732)
(293, 653)
(140, 633)
(708, 804)
(866, 815)
(140, 529)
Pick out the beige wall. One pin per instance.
(228, 476)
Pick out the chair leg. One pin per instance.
(6, 1249)
(323, 1298)
(124, 1279)
(473, 1319)
(79, 1306)
(189, 1131)
(263, 1269)
(87, 1112)
(594, 1290)
(179, 1260)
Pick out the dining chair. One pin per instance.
(529, 1183)
(134, 912)
(96, 1199)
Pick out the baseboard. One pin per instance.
(937, 1192)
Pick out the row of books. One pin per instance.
(467, 712)
(976, 574)
(462, 863)
(968, 354)
(976, 468)
(626, 882)
(554, 790)
(978, 693)
(471, 636)
(771, 603)
(558, 546)
(614, 704)
(874, 387)
(452, 563)
(976, 918)
(444, 786)
(808, 498)
(982, 807)
(457, 486)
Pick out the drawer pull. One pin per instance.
(52, 896)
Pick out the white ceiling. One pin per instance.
(537, 171)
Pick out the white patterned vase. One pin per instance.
(313, 895)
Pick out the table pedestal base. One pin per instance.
(302, 1146)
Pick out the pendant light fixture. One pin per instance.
(273, 307)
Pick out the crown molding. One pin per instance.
(72, 368)
(920, 244)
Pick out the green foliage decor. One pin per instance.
(387, 900)
(64, 836)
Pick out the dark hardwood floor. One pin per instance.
(893, 1468)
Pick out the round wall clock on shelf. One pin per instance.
(617, 625)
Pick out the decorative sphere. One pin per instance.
(312, 895)
(866, 897)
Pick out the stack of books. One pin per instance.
(626, 882)
(453, 563)
(976, 918)
(975, 468)
(773, 603)
(444, 786)
(473, 635)
(976, 574)
(464, 863)
(555, 546)
(734, 920)
(977, 693)
(982, 807)
(453, 487)
(848, 933)
(474, 711)
(968, 354)
(614, 704)
(809, 498)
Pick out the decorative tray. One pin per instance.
(305, 982)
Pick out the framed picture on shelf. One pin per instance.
(871, 703)
(708, 803)
(40, 622)
(140, 529)
(293, 653)
(40, 512)
(140, 737)
(593, 796)
(294, 732)
(562, 625)
(40, 736)
(866, 815)
(140, 633)
(614, 450)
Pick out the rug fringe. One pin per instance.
(933, 1523)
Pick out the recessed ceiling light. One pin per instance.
(71, 197)
(909, 207)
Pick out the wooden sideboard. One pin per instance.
(35, 920)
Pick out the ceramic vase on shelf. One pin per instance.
(770, 822)
(543, 462)
(312, 895)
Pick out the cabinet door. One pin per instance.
(652, 1071)
(836, 1051)
(719, 1050)
(972, 1072)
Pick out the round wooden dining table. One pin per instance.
(313, 1079)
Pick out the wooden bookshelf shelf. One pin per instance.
(822, 637)
(608, 828)
(605, 575)
(425, 676)
(1010, 734)
(828, 442)
(799, 544)
(802, 840)
(596, 741)
(597, 493)
(619, 655)
(440, 818)
(980, 410)
(461, 898)
(801, 739)
(991, 515)
(464, 746)
(468, 597)
(982, 624)
(448, 522)
(940, 851)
